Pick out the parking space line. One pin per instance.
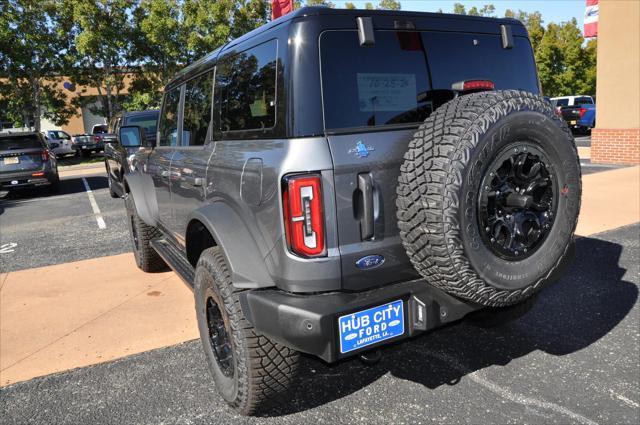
(94, 205)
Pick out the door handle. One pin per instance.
(365, 185)
(194, 181)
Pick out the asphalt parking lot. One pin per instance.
(41, 228)
(572, 359)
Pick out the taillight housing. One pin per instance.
(582, 111)
(45, 155)
(303, 215)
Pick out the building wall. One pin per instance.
(616, 138)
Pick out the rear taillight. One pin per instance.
(45, 155)
(473, 85)
(96, 139)
(582, 111)
(303, 214)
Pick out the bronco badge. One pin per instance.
(361, 150)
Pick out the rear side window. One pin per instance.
(408, 74)
(30, 141)
(246, 88)
(562, 102)
(198, 97)
(168, 125)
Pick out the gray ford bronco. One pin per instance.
(337, 180)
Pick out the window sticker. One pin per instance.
(386, 92)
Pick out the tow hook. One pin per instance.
(372, 357)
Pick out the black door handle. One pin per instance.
(365, 185)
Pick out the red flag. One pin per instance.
(280, 8)
(591, 19)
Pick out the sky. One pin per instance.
(551, 10)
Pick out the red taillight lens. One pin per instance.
(473, 85)
(45, 155)
(303, 215)
(582, 111)
(96, 139)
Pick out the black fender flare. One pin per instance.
(141, 187)
(245, 261)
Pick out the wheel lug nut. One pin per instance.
(487, 228)
(525, 250)
(493, 239)
(516, 252)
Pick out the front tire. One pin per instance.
(252, 373)
(147, 259)
(489, 195)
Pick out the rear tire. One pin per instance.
(253, 374)
(141, 235)
(466, 168)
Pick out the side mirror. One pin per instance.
(132, 136)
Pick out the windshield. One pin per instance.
(29, 141)
(148, 122)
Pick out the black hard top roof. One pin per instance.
(134, 113)
(327, 12)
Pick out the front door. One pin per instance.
(159, 162)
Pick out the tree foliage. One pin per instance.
(32, 35)
(138, 45)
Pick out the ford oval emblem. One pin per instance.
(370, 262)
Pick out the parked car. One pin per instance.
(118, 153)
(359, 177)
(60, 142)
(569, 108)
(26, 161)
(86, 144)
(587, 117)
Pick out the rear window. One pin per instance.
(408, 74)
(148, 122)
(582, 101)
(20, 142)
(100, 129)
(561, 102)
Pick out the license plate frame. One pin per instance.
(11, 160)
(383, 322)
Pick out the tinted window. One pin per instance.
(147, 121)
(582, 101)
(372, 86)
(100, 129)
(390, 82)
(196, 127)
(58, 135)
(20, 142)
(246, 88)
(168, 125)
(562, 102)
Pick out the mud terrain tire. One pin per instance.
(257, 377)
(451, 215)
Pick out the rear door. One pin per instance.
(374, 97)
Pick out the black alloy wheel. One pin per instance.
(517, 201)
(219, 338)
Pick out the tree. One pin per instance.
(320, 3)
(369, 6)
(389, 5)
(459, 9)
(349, 5)
(33, 39)
(103, 34)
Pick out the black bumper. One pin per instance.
(26, 179)
(309, 323)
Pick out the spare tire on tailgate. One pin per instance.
(489, 195)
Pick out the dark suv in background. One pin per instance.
(118, 152)
(26, 161)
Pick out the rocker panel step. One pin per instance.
(174, 257)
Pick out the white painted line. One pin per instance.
(625, 400)
(94, 205)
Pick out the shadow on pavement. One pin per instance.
(569, 316)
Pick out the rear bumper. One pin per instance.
(26, 179)
(309, 323)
